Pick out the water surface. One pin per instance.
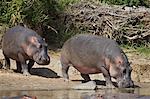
(136, 93)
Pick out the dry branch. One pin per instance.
(113, 22)
(138, 36)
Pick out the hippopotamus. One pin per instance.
(114, 96)
(91, 54)
(24, 45)
(20, 97)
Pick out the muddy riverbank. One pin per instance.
(48, 78)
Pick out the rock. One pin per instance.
(91, 85)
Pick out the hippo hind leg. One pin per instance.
(86, 77)
(65, 68)
(18, 66)
(7, 63)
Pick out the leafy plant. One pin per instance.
(128, 2)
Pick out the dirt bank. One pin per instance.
(49, 77)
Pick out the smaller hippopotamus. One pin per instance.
(23, 44)
(91, 54)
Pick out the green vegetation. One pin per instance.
(47, 17)
(44, 16)
(128, 2)
(34, 11)
(142, 50)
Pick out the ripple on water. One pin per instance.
(136, 93)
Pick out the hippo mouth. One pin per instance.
(39, 59)
(125, 84)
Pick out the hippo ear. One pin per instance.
(119, 60)
(33, 40)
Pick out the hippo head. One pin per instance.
(36, 49)
(121, 71)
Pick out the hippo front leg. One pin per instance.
(107, 77)
(18, 66)
(25, 69)
(24, 65)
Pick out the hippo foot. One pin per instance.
(25, 73)
(7, 71)
(18, 70)
(66, 80)
(5, 67)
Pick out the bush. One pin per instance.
(128, 2)
(44, 16)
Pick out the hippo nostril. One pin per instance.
(48, 59)
(45, 59)
(40, 58)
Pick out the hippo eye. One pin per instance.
(124, 71)
(130, 68)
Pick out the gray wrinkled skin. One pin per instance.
(91, 54)
(23, 44)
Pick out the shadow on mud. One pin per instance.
(44, 72)
(98, 82)
(103, 83)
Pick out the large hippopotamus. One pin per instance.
(91, 54)
(23, 44)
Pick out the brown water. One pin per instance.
(82, 94)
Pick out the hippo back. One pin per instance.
(84, 48)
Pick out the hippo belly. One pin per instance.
(87, 70)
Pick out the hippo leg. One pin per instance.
(30, 64)
(24, 66)
(107, 77)
(65, 68)
(86, 77)
(7, 62)
(18, 66)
